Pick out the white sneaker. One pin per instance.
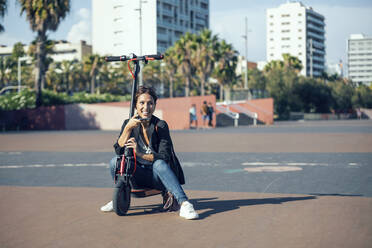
(108, 207)
(187, 211)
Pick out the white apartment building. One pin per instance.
(298, 30)
(62, 50)
(359, 54)
(121, 27)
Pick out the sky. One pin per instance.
(227, 20)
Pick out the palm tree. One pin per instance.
(3, 8)
(92, 66)
(170, 60)
(66, 67)
(204, 57)
(225, 65)
(292, 62)
(43, 15)
(184, 49)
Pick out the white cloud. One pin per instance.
(82, 29)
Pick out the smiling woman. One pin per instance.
(156, 164)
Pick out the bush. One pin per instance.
(26, 99)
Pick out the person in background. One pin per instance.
(204, 113)
(210, 114)
(193, 117)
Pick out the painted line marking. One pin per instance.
(272, 169)
(280, 164)
(54, 165)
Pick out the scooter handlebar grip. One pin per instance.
(115, 58)
(156, 56)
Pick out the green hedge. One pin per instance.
(26, 99)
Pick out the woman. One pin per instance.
(149, 137)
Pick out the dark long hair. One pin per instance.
(146, 90)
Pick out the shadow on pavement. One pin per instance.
(345, 195)
(216, 206)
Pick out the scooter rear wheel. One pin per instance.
(121, 198)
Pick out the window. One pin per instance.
(285, 15)
(271, 16)
(299, 14)
(286, 23)
(285, 31)
(285, 38)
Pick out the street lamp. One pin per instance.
(20, 59)
(140, 36)
(245, 37)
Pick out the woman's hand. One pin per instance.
(131, 143)
(133, 122)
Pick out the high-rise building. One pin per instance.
(359, 54)
(144, 27)
(299, 31)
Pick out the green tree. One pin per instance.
(3, 9)
(92, 66)
(257, 82)
(362, 97)
(342, 94)
(204, 56)
(43, 15)
(225, 66)
(185, 48)
(171, 66)
(66, 68)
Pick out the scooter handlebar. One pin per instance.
(116, 58)
(140, 58)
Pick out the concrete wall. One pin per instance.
(103, 116)
(263, 107)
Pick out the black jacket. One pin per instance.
(160, 143)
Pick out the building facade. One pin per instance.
(62, 50)
(359, 54)
(121, 27)
(299, 31)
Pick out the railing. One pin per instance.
(243, 110)
(228, 112)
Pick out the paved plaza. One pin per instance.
(293, 184)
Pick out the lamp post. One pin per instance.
(245, 37)
(140, 36)
(20, 59)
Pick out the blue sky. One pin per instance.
(343, 17)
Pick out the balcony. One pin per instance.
(315, 28)
(314, 20)
(315, 37)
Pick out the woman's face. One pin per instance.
(145, 106)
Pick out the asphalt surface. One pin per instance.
(293, 184)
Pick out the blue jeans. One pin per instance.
(159, 175)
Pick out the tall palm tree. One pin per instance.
(43, 15)
(92, 66)
(66, 67)
(225, 65)
(3, 8)
(185, 48)
(204, 57)
(171, 66)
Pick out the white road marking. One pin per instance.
(272, 169)
(54, 165)
(281, 164)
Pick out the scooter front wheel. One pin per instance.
(121, 198)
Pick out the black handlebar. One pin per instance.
(134, 57)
